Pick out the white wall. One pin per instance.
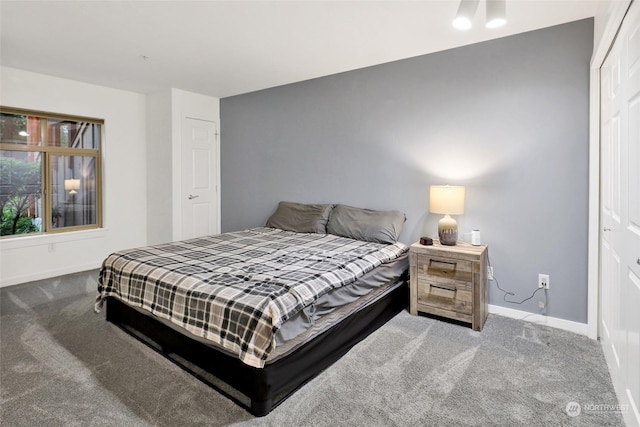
(165, 111)
(124, 176)
(159, 168)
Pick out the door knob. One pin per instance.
(191, 196)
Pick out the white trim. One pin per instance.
(41, 275)
(176, 169)
(615, 15)
(593, 238)
(218, 224)
(554, 322)
(12, 243)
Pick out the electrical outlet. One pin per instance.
(543, 281)
(490, 273)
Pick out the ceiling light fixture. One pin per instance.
(466, 12)
(496, 13)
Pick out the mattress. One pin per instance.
(384, 274)
(330, 311)
(332, 318)
(238, 289)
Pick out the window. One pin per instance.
(49, 172)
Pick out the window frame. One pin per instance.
(47, 152)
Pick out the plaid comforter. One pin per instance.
(237, 288)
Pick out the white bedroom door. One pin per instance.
(620, 214)
(199, 198)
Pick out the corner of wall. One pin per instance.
(158, 158)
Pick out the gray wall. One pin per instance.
(507, 118)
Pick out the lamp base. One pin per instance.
(448, 231)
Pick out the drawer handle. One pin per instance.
(442, 291)
(444, 287)
(442, 268)
(450, 264)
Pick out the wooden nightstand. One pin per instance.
(450, 281)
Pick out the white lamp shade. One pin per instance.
(71, 184)
(446, 199)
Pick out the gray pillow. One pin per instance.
(300, 217)
(366, 224)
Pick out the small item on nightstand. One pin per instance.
(475, 237)
(426, 241)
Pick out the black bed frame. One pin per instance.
(267, 387)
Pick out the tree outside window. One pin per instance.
(20, 193)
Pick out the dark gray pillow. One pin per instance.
(366, 224)
(299, 217)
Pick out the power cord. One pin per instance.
(511, 293)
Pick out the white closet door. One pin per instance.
(620, 214)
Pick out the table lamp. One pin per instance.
(447, 200)
(72, 185)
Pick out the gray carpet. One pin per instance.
(63, 365)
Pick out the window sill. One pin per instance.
(49, 239)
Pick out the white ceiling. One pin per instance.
(224, 48)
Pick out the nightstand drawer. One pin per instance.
(445, 296)
(445, 270)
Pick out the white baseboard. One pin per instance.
(48, 274)
(554, 322)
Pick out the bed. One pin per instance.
(257, 313)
